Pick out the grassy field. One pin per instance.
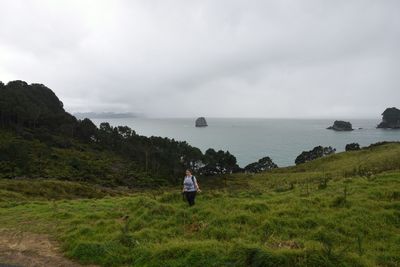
(343, 210)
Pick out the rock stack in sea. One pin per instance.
(390, 119)
(201, 122)
(341, 126)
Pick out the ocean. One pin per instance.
(251, 139)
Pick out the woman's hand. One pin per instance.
(198, 190)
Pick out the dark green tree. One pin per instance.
(219, 163)
(315, 153)
(352, 147)
(261, 165)
(86, 130)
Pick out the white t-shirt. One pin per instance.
(188, 185)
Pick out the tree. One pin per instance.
(86, 130)
(125, 131)
(35, 105)
(218, 163)
(261, 165)
(316, 152)
(352, 147)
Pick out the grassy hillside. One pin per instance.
(14, 192)
(375, 158)
(365, 163)
(343, 210)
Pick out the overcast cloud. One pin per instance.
(217, 58)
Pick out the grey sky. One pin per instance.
(220, 58)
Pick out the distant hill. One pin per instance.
(106, 115)
(32, 106)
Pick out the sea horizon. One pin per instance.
(144, 116)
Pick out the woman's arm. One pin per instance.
(197, 185)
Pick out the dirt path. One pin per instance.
(31, 250)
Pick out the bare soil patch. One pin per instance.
(31, 250)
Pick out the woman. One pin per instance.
(190, 187)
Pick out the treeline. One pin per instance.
(158, 154)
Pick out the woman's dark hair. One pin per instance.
(189, 170)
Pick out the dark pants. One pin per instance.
(190, 196)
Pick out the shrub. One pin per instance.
(316, 152)
(352, 147)
(261, 165)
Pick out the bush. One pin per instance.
(352, 147)
(263, 164)
(315, 153)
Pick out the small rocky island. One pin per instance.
(201, 122)
(390, 119)
(341, 126)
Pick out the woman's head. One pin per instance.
(188, 172)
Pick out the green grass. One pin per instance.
(22, 191)
(342, 210)
(376, 158)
